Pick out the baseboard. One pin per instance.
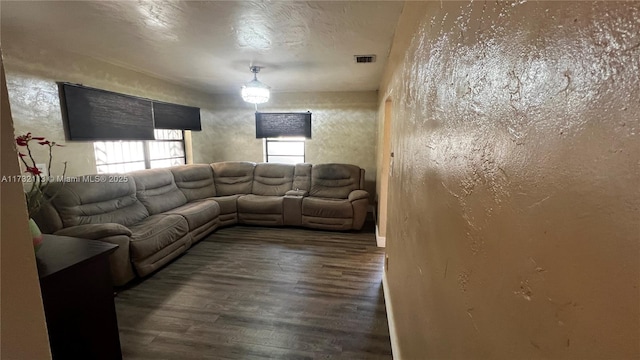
(380, 240)
(395, 349)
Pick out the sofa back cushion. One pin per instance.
(195, 181)
(157, 191)
(272, 179)
(48, 219)
(96, 200)
(334, 180)
(302, 177)
(233, 177)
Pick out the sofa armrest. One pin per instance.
(95, 231)
(358, 194)
(297, 193)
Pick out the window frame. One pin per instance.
(283, 140)
(145, 151)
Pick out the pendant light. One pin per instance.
(255, 92)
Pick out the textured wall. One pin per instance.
(514, 214)
(343, 129)
(23, 331)
(343, 125)
(32, 74)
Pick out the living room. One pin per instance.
(511, 221)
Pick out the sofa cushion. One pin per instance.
(259, 204)
(95, 231)
(197, 213)
(233, 177)
(326, 208)
(228, 204)
(157, 190)
(302, 177)
(337, 224)
(195, 181)
(272, 179)
(97, 202)
(48, 219)
(155, 233)
(334, 180)
(260, 219)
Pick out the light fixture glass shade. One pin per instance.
(255, 92)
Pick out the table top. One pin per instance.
(58, 253)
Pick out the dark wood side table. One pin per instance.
(77, 293)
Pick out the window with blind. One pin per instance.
(101, 115)
(124, 156)
(284, 150)
(276, 125)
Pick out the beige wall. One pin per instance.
(32, 74)
(343, 129)
(343, 123)
(514, 223)
(383, 165)
(23, 331)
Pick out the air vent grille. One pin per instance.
(362, 59)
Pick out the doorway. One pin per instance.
(385, 173)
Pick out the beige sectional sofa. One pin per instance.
(156, 215)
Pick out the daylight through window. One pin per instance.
(125, 156)
(284, 150)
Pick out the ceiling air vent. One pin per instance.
(365, 58)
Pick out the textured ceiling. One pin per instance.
(209, 45)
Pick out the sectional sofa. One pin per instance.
(155, 215)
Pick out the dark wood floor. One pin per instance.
(256, 293)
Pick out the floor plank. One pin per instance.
(250, 292)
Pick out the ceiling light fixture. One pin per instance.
(254, 91)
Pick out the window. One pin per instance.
(284, 150)
(124, 156)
